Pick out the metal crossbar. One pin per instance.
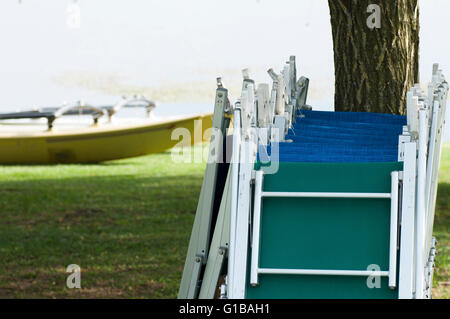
(325, 195)
(321, 272)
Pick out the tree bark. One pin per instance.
(374, 68)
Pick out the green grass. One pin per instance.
(126, 223)
(441, 282)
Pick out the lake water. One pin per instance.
(97, 50)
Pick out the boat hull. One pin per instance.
(98, 144)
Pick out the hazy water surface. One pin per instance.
(173, 50)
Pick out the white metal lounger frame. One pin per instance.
(261, 117)
(288, 96)
(199, 246)
(426, 119)
(415, 195)
(257, 121)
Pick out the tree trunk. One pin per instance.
(374, 67)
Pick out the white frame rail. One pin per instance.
(426, 119)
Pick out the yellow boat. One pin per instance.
(98, 143)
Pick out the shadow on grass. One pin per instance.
(128, 233)
(443, 206)
(441, 232)
(138, 160)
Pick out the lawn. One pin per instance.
(125, 223)
(441, 282)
